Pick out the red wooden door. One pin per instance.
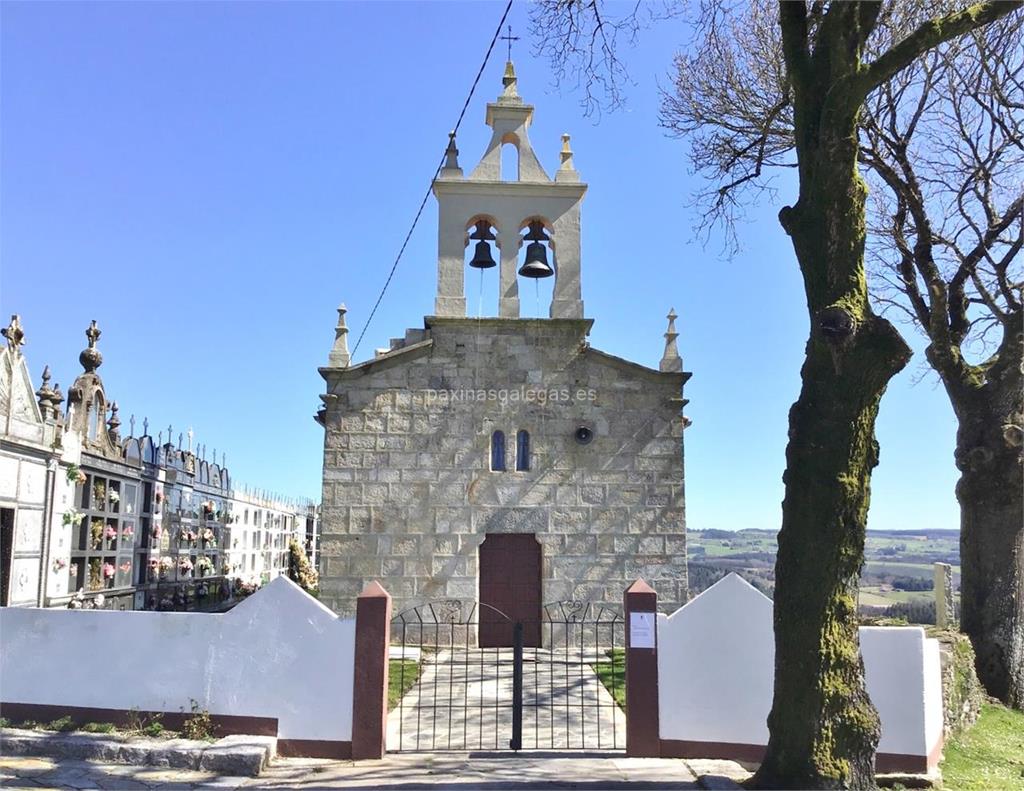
(510, 573)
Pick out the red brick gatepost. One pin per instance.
(370, 677)
(643, 735)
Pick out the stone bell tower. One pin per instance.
(502, 460)
(501, 206)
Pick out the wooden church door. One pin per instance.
(510, 582)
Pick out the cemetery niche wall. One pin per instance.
(95, 513)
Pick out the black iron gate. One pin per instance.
(450, 694)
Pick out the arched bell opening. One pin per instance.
(509, 166)
(537, 264)
(482, 268)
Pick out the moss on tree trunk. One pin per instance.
(823, 728)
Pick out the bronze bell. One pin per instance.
(536, 265)
(482, 258)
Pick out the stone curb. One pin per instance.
(232, 755)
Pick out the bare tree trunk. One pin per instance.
(991, 496)
(823, 728)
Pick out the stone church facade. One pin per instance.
(503, 459)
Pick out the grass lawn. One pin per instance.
(613, 674)
(874, 597)
(872, 594)
(402, 674)
(989, 756)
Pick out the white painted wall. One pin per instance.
(715, 673)
(280, 653)
(716, 658)
(933, 713)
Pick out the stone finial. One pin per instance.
(451, 158)
(114, 424)
(566, 154)
(131, 425)
(15, 334)
(145, 426)
(567, 170)
(339, 356)
(189, 434)
(510, 95)
(90, 358)
(45, 394)
(670, 360)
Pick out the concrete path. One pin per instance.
(463, 701)
(458, 771)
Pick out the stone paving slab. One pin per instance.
(402, 772)
(462, 700)
(472, 770)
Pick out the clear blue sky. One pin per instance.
(209, 180)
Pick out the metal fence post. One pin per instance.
(516, 743)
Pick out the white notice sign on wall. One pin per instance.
(641, 630)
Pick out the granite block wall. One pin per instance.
(408, 490)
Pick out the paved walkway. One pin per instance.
(459, 771)
(463, 701)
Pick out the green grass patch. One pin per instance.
(613, 674)
(873, 597)
(873, 594)
(98, 727)
(402, 674)
(64, 725)
(988, 756)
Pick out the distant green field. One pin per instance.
(874, 599)
(872, 594)
(889, 555)
(717, 549)
(889, 552)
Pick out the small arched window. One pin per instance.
(498, 451)
(523, 451)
